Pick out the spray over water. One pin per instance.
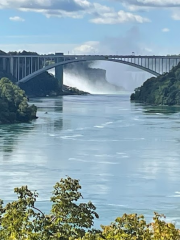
(87, 85)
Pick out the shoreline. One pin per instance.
(57, 95)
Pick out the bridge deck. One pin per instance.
(93, 56)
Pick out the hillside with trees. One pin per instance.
(7, 75)
(41, 85)
(72, 219)
(161, 90)
(46, 84)
(14, 104)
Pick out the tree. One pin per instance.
(134, 227)
(42, 85)
(68, 219)
(14, 104)
(163, 90)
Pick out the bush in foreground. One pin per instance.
(68, 219)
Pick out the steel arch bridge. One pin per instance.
(26, 67)
(36, 73)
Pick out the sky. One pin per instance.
(91, 26)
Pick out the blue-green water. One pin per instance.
(126, 155)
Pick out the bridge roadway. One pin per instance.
(26, 67)
(94, 56)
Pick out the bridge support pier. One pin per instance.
(59, 70)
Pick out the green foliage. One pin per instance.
(13, 104)
(68, 219)
(72, 91)
(6, 74)
(71, 220)
(134, 227)
(42, 85)
(163, 90)
(46, 84)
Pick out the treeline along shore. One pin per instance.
(161, 90)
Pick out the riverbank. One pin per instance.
(66, 91)
(161, 90)
(72, 91)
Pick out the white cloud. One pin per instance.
(147, 50)
(176, 14)
(99, 14)
(118, 17)
(145, 5)
(90, 47)
(165, 30)
(151, 3)
(17, 19)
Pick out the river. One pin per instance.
(126, 155)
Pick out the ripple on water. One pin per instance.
(92, 161)
(103, 125)
(117, 205)
(72, 137)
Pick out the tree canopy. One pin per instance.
(163, 90)
(71, 219)
(14, 104)
(67, 219)
(42, 85)
(46, 84)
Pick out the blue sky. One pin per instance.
(91, 26)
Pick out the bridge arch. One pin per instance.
(38, 72)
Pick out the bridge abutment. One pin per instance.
(59, 70)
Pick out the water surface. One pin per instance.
(126, 155)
